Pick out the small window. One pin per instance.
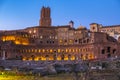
(41, 42)
(114, 51)
(103, 51)
(93, 28)
(53, 41)
(108, 55)
(75, 40)
(47, 41)
(87, 40)
(65, 40)
(108, 49)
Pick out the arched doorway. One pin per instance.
(47, 57)
(86, 56)
(108, 49)
(21, 57)
(32, 57)
(81, 56)
(114, 51)
(54, 57)
(76, 57)
(39, 58)
(18, 57)
(108, 55)
(62, 57)
(69, 57)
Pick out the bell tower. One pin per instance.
(45, 19)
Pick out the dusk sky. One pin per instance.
(19, 14)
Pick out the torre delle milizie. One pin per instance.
(46, 42)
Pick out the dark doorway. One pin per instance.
(54, 57)
(76, 57)
(21, 57)
(33, 57)
(81, 56)
(103, 51)
(62, 57)
(108, 55)
(69, 57)
(104, 65)
(47, 57)
(114, 51)
(108, 49)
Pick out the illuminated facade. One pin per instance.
(46, 42)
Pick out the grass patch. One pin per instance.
(11, 75)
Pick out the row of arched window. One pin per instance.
(55, 50)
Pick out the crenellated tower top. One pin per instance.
(45, 19)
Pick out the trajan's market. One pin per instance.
(64, 42)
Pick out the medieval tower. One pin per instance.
(45, 19)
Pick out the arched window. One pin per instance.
(33, 57)
(87, 40)
(114, 51)
(69, 57)
(47, 57)
(108, 49)
(108, 55)
(81, 56)
(76, 57)
(62, 57)
(54, 57)
(103, 51)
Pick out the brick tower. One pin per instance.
(45, 19)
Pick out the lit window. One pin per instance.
(34, 31)
(55, 37)
(26, 50)
(35, 50)
(51, 50)
(41, 37)
(47, 50)
(71, 41)
(58, 50)
(76, 50)
(29, 50)
(69, 50)
(83, 50)
(60, 41)
(50, 37)
(30, 31)
(43, 50)
(32, 50)
(73, 50)
(79, 50)
(39, 50)
(26, 35)
(66, 50)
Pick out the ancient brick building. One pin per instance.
(113, 30)
(47, 42)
